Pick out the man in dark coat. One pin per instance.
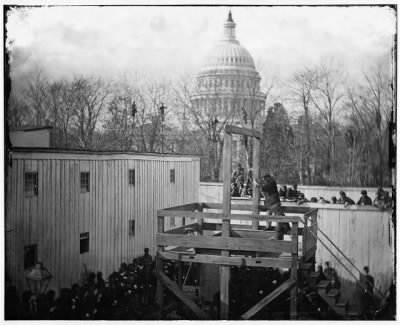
(272, 202)
(345, 199)
(364, 199)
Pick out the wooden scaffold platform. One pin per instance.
(241, 241)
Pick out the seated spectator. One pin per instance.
(364, 199)
(235, 190)
(240, 179)
(322, 200)
(345, 199)
(283, 192)
(292, 192)
(331, 276)
(382, 199)
(237, 172)
(313, 200)
(333, 199)
(302, 199)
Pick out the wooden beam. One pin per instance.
(184, 207)
(225, 243)
(226, 209)
(250, 233)
(256, 175)
(181, 230)
(293, 273)
(173, 287)
(231, 216)
(238, 261)
(309, 254)
(266, 300)
(231, 129)
(294, 208)
(160, 288)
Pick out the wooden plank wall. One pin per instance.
(366, 237)
(55, 218)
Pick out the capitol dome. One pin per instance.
(228, 52)
(229, 83)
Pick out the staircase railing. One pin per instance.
(344, 255)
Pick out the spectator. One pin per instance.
(100, 281)
(345, 199)
(313, 200)
(322, 200)
(283, 192)
(293, 192)
(333, 199)
(12, 304)
(321, 275)
(364, 199)
(368, 284)
(236, 173)
(301, 199)
(331, 276)
(382, 199)
(235, 190)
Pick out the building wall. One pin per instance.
(55, 218)
(365, 235)
(32, 138)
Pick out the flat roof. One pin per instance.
(30, 128)
(97, 152)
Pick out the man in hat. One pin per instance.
(364, 199)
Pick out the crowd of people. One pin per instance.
(242, 188)
(129, 293)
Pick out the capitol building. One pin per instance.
(228, 86)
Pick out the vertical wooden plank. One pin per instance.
(256, 176)
(226, 208)
(306, 245)
(293, 272)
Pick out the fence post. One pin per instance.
(293, 271)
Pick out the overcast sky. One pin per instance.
(166, 41)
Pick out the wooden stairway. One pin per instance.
(333, 297)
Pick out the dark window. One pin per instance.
(30, 256)
(172, 175)
(85, 179)
(131, 177)
(31, 183)
(84, 243)
(131, 228)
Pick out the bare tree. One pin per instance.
(36, 95)
(327, 98)
(300, 90)
(370, 104)
(121, 119)
(91, 98)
